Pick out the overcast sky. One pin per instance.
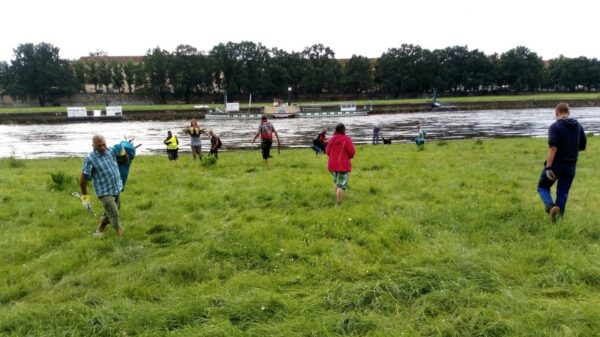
(369, 27)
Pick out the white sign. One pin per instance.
(114, 111)
(232, 107)
(79, 111)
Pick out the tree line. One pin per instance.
(186, 74)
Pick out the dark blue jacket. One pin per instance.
(568, 136)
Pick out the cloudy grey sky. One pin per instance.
(368, 27)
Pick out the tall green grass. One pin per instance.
(449, 241)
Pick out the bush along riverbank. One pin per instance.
(448, 241)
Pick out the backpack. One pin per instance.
(266, 131)
(219, 144)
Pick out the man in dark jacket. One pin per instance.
(566, 138)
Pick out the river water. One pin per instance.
(74, 139)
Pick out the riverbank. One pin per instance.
(424, 244)
(186, 111)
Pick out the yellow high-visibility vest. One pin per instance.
(172, 143)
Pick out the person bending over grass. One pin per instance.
(215, 144)
(266, 131)
(319, 144)
(340, 151)
(566, 138)
(100, 166)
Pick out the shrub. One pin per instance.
(209, 161)
(59, 181)
(13, 162)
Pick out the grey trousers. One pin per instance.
(111, 204)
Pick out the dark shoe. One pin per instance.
(554, 213)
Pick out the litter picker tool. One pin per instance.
(88, 205)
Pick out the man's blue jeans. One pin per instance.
(565, 173)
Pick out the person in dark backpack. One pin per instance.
(566, 138)
(320, 143)
(266, 131)
(215, 144)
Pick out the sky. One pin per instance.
(369, 27)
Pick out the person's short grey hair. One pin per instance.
(97, 138)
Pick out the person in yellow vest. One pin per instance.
(172, 146)
(195, 131)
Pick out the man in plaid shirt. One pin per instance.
(100, 166)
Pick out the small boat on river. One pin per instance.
(344, 109)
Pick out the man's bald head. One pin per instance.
(99, 144)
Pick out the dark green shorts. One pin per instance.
(340, 179)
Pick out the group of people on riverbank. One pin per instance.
(194, 131)
(419, 140)
(566, 138)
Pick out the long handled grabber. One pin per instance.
(87, 205)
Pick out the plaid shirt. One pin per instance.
(104, 172)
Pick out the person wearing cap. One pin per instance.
(566, 138)
(101, 167)
(266, 131)
(340, 151)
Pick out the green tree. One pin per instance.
(5, 78)
(129, 73)
(80, 71)
(405, 70)
(322, 71)
(39, 72)
(105, 74)
(157, 63)
(241, 67)
(521, 69)
(191, 72)
(93, 74)
(140, 77)
(358, 75)
(118, 78)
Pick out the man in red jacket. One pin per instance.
(340, 150)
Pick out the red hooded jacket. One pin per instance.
(340, 150)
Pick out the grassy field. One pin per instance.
(491, 98)
(449, 241)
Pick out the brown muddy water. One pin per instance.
(74, 139)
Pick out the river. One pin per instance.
(74, 139)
